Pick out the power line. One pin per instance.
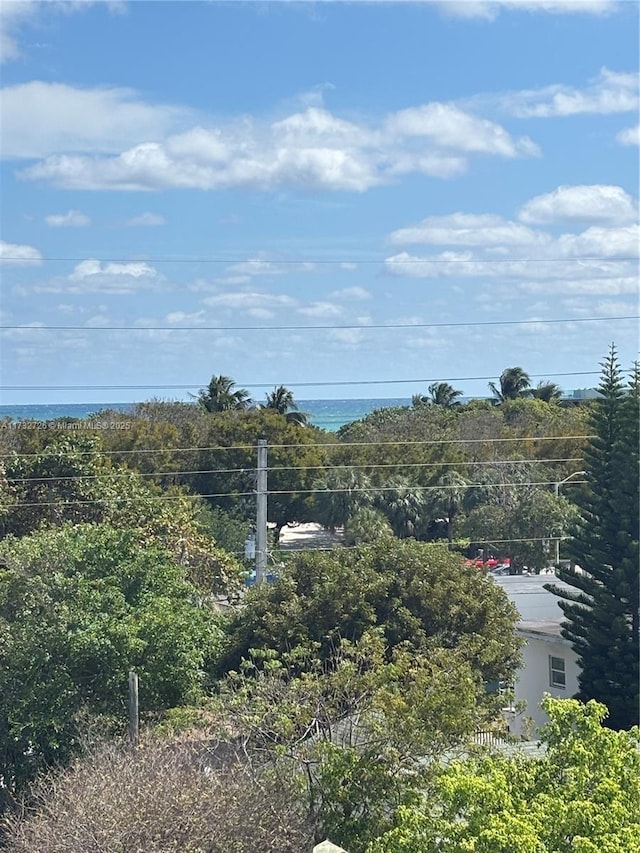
(261, 262)
(298, 328)
(286, 549)
(125, 500)
(129, 472)
(325, 445)
(314, 384)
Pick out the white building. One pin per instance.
(549, 663)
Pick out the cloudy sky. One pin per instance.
(349, 198)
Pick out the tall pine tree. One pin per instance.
(601, 610)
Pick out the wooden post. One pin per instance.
(134, 720)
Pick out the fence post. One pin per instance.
(134, 719)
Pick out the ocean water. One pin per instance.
(326, 414)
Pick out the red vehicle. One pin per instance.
(489, 563)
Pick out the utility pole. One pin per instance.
(261, 512)
(556, 491)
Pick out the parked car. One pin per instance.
(270, 577)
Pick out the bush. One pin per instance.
(178, 795)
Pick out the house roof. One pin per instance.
(533, 601)
(549, 631)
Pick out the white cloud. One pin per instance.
(601, 242)
(321, 309)
(610, 92)
(178, 317)
(465, 229)
(614, 286)
(317, 126)
(225, 280)
(450, 127)
(13, 253)
(17, 13)
(28, 332)
(97, 321)
(13, 16)
(597, 260)
(630, 136)
(350, 337)
(608, 307)
(490, 9)
(249, 301)
(71, 219)
(309, 150)
(146, 219)
(592, 203)
(244, 270)
(118, 118)
(93, 276)
(351, 293)
(91, 267)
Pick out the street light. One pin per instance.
(556, 491)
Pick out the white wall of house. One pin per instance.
(547, 660)
(540, 627)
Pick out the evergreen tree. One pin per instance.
(602, 609)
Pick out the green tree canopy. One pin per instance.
(579, 796)
(69, 480)
(602, 610)
(419, 594)
(547, 391)
(363, 731)
(79, 606)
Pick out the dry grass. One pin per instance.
(178, 796)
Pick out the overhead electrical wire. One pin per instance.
(276, 262)
(314, 384)
(321, 327)
(292, 548)
(325, 445)
(124, 500)
(276, 468)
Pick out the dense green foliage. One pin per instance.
(68, 479)
(350, 677)
(420, 595)
(79, 606)
(603, 612)
(581, 795)
(363, 731)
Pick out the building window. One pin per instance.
(556, 672)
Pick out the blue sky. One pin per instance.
(315, 193)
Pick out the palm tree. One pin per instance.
(339, 494)
(443, 394)
(404, 504)
(546, 391)
(221, 395)
(514, 382)
(448, 498)
(281, 401)
(366, 524)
